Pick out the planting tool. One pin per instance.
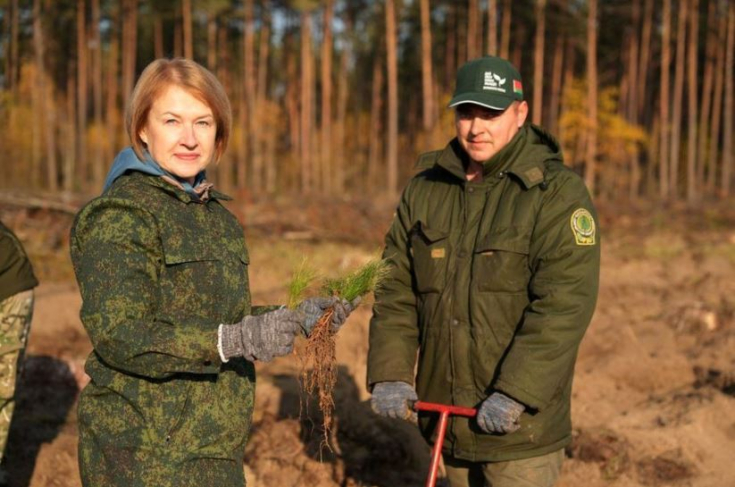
(444, 411)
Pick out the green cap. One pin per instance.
(488, 81)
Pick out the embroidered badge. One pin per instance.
(517, 87)
(534, 175)
(438, 253)
(583, 227)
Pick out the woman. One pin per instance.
(163, 271)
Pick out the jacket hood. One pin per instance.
(127, 161)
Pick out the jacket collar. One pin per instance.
(524, 157)
(181, 194)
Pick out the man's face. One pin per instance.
(482, 131)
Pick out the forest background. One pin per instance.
(339, 97)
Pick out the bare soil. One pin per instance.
(654, 394)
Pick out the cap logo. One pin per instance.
(493, 82)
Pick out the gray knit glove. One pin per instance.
(314, 308)
(499, 414)
(262, 337)
(393, 399)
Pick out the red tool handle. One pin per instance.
(445, 411)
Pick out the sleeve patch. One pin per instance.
(583, 227)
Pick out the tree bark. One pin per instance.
(326, 119)
(643, 68)
(664, 100)
(552, 120)
(188, 38)
(47, 103)
(492, 27)
(692, 96)
(505, 33)
(707, 83)
(392, 49)
(342, 99)
(427, 76)
(96, 86)
(473, 28)
(212, 42)
(714, 138)
(677, 103)
(591, 152)
(81, 128)
(112, 114)
(14, 65)
(376, 110)
(130, 43)
(632, 99)
(450, 57)
(307, 99)
(157, 35)
(538, 62)
(727, 145)
(249, 77)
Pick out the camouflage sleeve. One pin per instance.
(394, 333)
(117, 257)
(565, 260)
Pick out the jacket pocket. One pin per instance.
(430, 249)
(501, 262)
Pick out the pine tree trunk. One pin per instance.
(14, 66)
(427, 76)
(707, 83)
(643, 67)
(492, 26)
(727, 145)
(450, 57)
(211, 42)
(692, 96)
(632, 98)
(130, 43)
(342, 99)
(97, 159)
(392, 49)
(112, 115)
(505, 33)
(261, 93)
(473, 28)
(664, 100)
(157, 35)
(677, 103)
(81, 111)
(591, 152)
(249, 75)
(307, 98)
(46, 104)
(376, 112)
(69, 130)
(538, 64)
(714, 137)
(188, 38)
(552, 120)
(326, 119)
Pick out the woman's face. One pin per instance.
(180, 133)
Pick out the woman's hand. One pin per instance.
(262, 337)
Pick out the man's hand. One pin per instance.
(391, 399)
(499, 414)
(314, 308)
(262, 337)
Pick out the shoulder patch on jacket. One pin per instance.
(583, 227)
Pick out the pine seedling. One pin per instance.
(302, 278)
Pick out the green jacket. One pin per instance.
(16, 273)
(493, 284)
(158, 273)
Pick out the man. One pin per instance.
(16, 308)
(495, 257)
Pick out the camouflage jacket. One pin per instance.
(493, 284)
(158, 273)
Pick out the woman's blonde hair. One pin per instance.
(190, 76)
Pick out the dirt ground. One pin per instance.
(654, 395)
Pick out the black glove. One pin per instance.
(262, 337)
(392, 399)
(314, 308)
(499, 414)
